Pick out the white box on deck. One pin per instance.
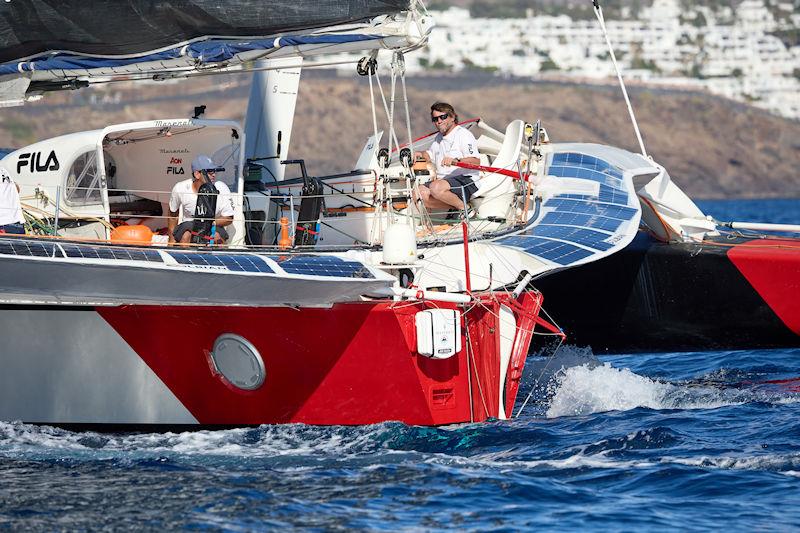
(438, 333)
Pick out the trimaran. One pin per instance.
(337, 299)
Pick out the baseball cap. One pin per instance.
(203, 162)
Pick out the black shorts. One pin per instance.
(465, 183)
(183, 227)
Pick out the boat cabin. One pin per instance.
(123, 174)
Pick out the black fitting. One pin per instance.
(383, 157)
(366, 66)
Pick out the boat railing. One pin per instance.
(48, 209)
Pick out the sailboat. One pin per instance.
(314, 310)
(337, 299)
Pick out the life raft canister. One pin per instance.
(137, 234)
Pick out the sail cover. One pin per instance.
(132, 27)
(48, 45)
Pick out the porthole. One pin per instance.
(238, 361)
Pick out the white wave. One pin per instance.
(772, 463)
(291, 440)
(584, 390)
(781, 464)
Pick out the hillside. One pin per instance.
(712, 147)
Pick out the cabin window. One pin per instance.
(83, 181)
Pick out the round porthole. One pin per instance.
(238, 361)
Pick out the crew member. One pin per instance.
(184, 199)
(453, 144)
(11, 219)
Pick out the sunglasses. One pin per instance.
(439, 118)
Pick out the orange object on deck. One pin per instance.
(284, 241)
(137, 234)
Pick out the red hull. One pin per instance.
(354, 363)
(772, 266)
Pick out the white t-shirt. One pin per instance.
(10, 210)
(184, 197)
(459, 143)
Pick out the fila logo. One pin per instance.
(175, 170)
(33, 160)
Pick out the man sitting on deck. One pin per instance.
(453, 144)
(184, 197)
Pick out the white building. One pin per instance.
(731, 52)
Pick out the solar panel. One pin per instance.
(582, 236)
(612, 195)
(585, 161)
(580, 220)
(231, 262)
(108, 252)
(612, 178)
(315, 265)
(24, 248)
(559, 252)
(591, 208)
(576, 226)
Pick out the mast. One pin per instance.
(270, 113)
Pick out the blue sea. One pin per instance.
(677, 441)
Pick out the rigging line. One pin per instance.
(405, 101)
(349, 195)
(372, 105)
(530, 394)
(471, 353)
(598, 11)
(393, 71)
(383, 99)
(355, 239)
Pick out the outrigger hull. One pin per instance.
(722, 293)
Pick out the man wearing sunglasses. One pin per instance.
(184, 199)
(453, 144)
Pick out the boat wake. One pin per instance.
(594, 387)
(284, 445)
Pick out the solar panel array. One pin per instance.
(108, 252)
(29, 248)
(577, 226)
(319, 265)
(231, 262)
(310, 265)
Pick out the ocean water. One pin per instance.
(678, 441)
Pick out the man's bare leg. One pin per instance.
(440, 190)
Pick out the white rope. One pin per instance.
(402, 64)
(385, 105)
(598, 11)
(374, 111)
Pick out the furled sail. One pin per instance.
(65, 44)
(130, 27)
